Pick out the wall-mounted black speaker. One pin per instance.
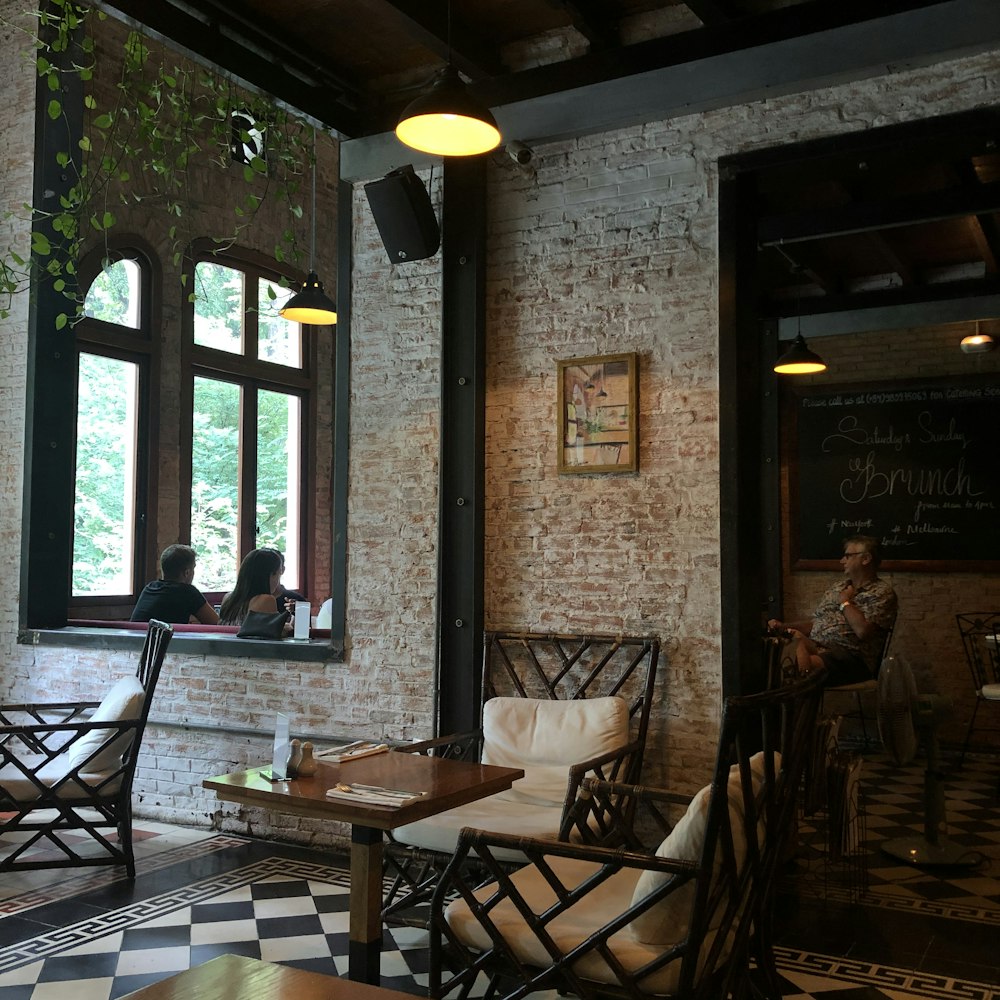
(404, 215)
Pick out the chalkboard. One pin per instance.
(916, 464)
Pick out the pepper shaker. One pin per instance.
(293, 767)
(307, 763)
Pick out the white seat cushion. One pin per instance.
(542, 737)
(668, 920)
(498, 815)
(546, 737)
(20, 789)
(123, 701)
(571, 928)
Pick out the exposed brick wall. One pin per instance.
(604, 244)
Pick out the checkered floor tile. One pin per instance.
(913, 933)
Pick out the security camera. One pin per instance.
(519, 153)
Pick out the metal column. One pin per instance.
(463, 423)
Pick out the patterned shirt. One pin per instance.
(875, 599)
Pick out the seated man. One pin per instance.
(848, 628)
(173, 598)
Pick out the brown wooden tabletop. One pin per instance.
(236, 977)
(444, 784)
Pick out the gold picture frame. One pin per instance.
(598, 414)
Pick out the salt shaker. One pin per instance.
(294, 765)
(307, 762)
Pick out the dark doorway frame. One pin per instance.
(750, 563)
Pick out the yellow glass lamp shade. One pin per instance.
(310, 304)
(799, 360)
(977, 343)
(448, 121)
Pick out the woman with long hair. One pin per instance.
(258, 577)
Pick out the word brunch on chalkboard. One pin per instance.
(913, 463)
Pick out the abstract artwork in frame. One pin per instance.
(599, 414)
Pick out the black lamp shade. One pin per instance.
(447, 121)
(799, 360)
(310, 304)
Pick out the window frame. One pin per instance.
(198, 360)
(135, 346)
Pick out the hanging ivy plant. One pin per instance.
(154, 141)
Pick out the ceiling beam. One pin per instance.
(712, 12)
(257, 59)
(896, 309)
(849, 52)
(865, 217)
(435, 27)
(591, 21)
(985, 235)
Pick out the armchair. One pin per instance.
(980, 632)
(607, 916)
(559, 706)
(66, 772)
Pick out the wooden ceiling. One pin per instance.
(354, 64)
(838, 231)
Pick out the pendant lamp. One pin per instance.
(799, 360)
(310, 303)
(977, 343)
(446, 120)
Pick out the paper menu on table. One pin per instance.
(372, 796)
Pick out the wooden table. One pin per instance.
(236, 977)
(445, 783)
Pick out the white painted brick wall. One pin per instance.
(604, 244)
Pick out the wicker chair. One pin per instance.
(607, 916)
(561, 707)
(66, 772)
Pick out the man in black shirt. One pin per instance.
(173, 598)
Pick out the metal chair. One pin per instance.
(861, 688)
(600, 914)
(979, 631)
(561, 707)
(66, 770)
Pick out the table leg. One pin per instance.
(365, 944)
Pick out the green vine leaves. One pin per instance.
(163, 147)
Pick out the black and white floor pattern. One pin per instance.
(928, 934)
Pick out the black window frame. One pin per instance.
(140, 347)
(256, 375)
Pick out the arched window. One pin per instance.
(251, 376)
(114, 351)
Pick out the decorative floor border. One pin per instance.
(103, 877)
(85, 931)
(888, 978)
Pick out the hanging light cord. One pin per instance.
(312, 224)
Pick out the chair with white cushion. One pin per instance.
(66, 772)
(979, 631)
(560, 707)
(605, 915)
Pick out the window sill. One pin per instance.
(195, 643)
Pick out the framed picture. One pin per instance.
(599, 414)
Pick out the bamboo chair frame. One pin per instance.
(77, 808)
